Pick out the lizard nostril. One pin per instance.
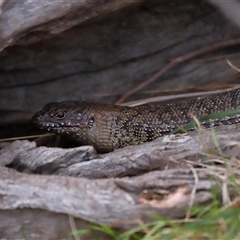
(36, 118)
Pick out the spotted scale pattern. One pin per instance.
(108, 127)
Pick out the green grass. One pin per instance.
(216, 223)
(193, 124)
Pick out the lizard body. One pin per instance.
(108, 127)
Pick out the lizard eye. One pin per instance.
(60, 115)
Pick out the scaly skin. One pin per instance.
(108, 127)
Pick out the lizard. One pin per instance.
(108, 127)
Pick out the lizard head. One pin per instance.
(64, 118)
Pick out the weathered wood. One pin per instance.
(36, 224)
(48, 17)
(164, 153)
(114, 200)
(119, 202)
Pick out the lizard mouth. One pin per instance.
(43, 122)
(52, 126)
(62, 130)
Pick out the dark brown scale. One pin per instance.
(108, 127)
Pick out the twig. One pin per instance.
(73, 227)
(175, 61)
(193, 193)
(26, 137)
(232, 66)
(177, 96)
